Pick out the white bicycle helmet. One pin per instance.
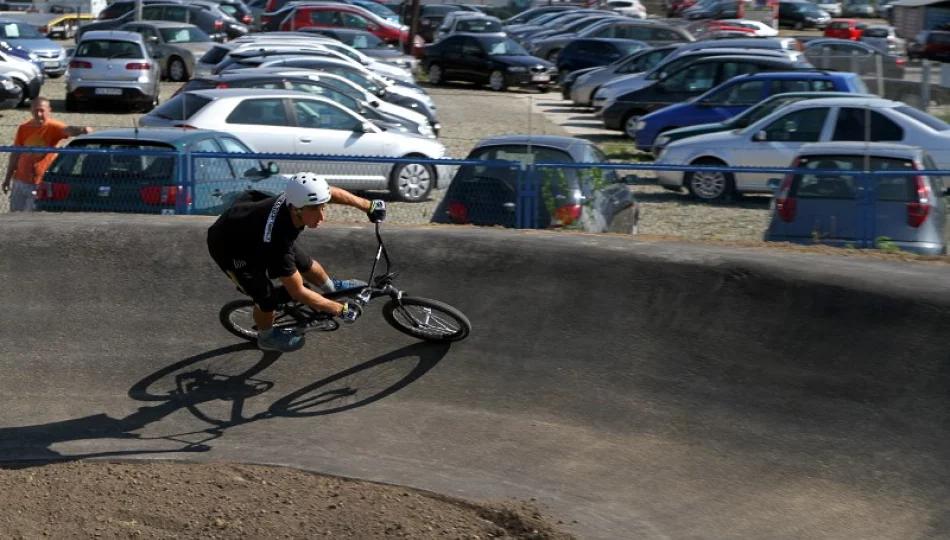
(307, 189)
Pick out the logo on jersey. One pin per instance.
(269, 227)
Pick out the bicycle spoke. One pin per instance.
(429, 321)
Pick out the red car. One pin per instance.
(845, 29)
(345, 16)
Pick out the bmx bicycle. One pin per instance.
(421, 318)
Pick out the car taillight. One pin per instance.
(784, 204)
(163, 195)
(52, 191)
(246, 19)
(44, 29)
(218, 24)
(917, 212)
(566, 215)
(458, 212)
(80, 64)
(138, 65)
(222, 85)
(899, 61)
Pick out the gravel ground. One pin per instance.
(222, 501)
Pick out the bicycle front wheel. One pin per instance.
(426, 319)
(237, 317)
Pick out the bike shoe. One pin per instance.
(281, 341)
(342, 284)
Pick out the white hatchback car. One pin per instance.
(287, 122)
(774, 140)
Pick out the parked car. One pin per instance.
(774, 140)
(430, 17)
(575, 27)
(759, 28)
(233, 28)
(486, 195)
(690, 81)
(858, 8)
(685, 54)
(368, 44)
(346, 16)
(469, 22)
(751, 115)
(179, 43)
(282, 121)
(210, 24)
(930, 45)
(579, 86)
(853, 56)
(10, 93)
(111, 66)
(711, 9)
(627, 8)
(500, 62)
(851, 29)
(736, 95)
(237, 10)
(801, 14)
(552, 21)
(50, 54)
(585, 53)
(119, 8)
(383, 114)
(152, 184)
(831, 7)
(25, 74)
(378, 9)
(529, 15)
(653, 33)
(833, 202)
(884, 38)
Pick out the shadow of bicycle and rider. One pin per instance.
(216, 391)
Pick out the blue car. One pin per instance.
(738, 94)
(48, 55)
(595, 52)
(377, 9)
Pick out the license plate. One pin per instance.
(541, 78)
(51, 64)
(108, 91)
(104, 191)
(57, 28)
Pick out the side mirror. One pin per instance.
(272, 168)
(774, 183)
(70, 51)
(760, 136)
(152, 39)
(366, 127)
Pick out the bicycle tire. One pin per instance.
(435, 336)
(225, 317)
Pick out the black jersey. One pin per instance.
(256, 231)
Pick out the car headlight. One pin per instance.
(662, 141)
(517, 69)
(640, 126)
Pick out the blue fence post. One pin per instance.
(521, 199)
(183, 203)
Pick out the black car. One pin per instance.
(216, 27)
(498, 61)
(930, 45)
(430, 17)
(594, 200)
(801, 14)
(690, 81)
(121, 7)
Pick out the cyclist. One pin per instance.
(254, 242)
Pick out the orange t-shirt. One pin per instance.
(30, 166)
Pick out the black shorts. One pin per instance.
(255, 282)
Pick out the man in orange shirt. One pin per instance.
(27, 168)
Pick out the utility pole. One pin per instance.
(138, 10)
(413, 28)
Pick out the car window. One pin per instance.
(180, 107)
(745, 93)
(152, 13)
(489, 176)
(243, 168)
(185, 35)
(478, 25)
(326, 18)
(145, 167)
(208, 169)
(103, 48)
(147, 32)
(264, 112)
(176, 14)
(805, 85)
(695, 78)
(732, 69)
(928, 120)
(215, 55)
(328, 93)
(938, 184)
(876, 33)
(799, 126)
(853, 124)
(320, 115)
(351, 20)
(824, 185)
(662, 34)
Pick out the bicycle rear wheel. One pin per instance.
(237, 317)
(426, 319)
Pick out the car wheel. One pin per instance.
(435, 74)
(25, 93)
(149, 105)
(71, 104)
(710, 186)
(630, 124)
(412, 182)
(176, 70)
(497, 82)
(798, 25)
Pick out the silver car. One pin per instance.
(112, 66)
(179, 43)
(883, 37)
(834, 202)
(470, 23)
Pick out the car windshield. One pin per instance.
(479, 25)
(876, 33)
(180, 107)
(14, 30)
(362, 40)
(504, 176)
(184, 35)
(116, 165)
(103, 48)
(378, 9)
(756, 113)
(503, 47)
